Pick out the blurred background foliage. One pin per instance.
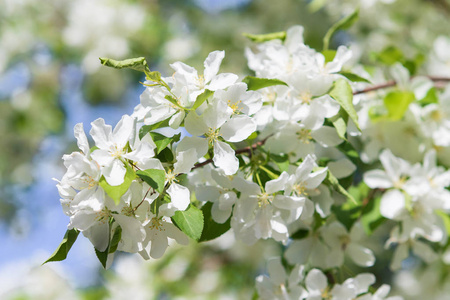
(51, 79)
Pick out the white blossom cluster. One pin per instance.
(264, 156)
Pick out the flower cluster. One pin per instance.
(269, 157)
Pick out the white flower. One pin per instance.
(215, 123)
(340, 241)
(158, 231)
(278, 285)
(188, 76)
(111, 146)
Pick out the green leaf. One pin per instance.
(256, 83)
(61, 252)
(334, 183)
(114, 236)
(329, 55)
(154, 177)
(190, 222)
(344, 23)
(260, 38)
(211, 228)
(353, 77)
(340, 123)
(153, 76)
(117, 236)
(282, 161)
(202, 98)
(116, 192)
(446, 219)
(173, 101)
(397, 102)
(166, 156)
(389, 55)
(148, 128)
(161, 141)
(371, 217)
(300, 234)
(342, 93)
(138, 64)
(430, 97)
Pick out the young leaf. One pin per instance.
(212, 229)
(138, 64)
(256, 83)
(353, 77)
(397, 103)
(329, 55)
(154, 177)
(173, 101)
(342, 93)
(116, 192)
(190, 222)
(148, 128)
(117, 236)
(340, 123)
(153, 76)
(161, 141)
(344, 23)
(260, 38)
(61, 252)
(371, 217)
(202, 98)
(334, 183)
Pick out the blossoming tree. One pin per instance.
(300, 153)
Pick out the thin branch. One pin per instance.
(248, 150)
(393, 83)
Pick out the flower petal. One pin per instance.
(224, 158)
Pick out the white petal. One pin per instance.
(124, 131)
(190, 142)
(212, 64)
(361, 256)
(392, 204)
(185, 161)
(176, 119)
(176, 234)
(424, 251)
(220, 215)
(101, 133)
(159, 245)
(276, 271)
(238, 128)
(278, 184)
(195, 124)
(224, 158)
(114, 173)
(326, 136)
(99, 236)
(179, 196)
(341, 168)
(316, 281)
(222, 81)
(82, 141)
(377, 179)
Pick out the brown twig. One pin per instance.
(393, 83)
(248, 149)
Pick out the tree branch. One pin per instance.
(248, 149)
(394, 83)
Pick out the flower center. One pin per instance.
(127, 211)
(305, 97)
(300, 189)
(264, 200)
(117, 152)
(201, 81)
(156, 223)
(171, 177)
(213, 135)
(235, 106)
(102, 216)
(304, 135)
